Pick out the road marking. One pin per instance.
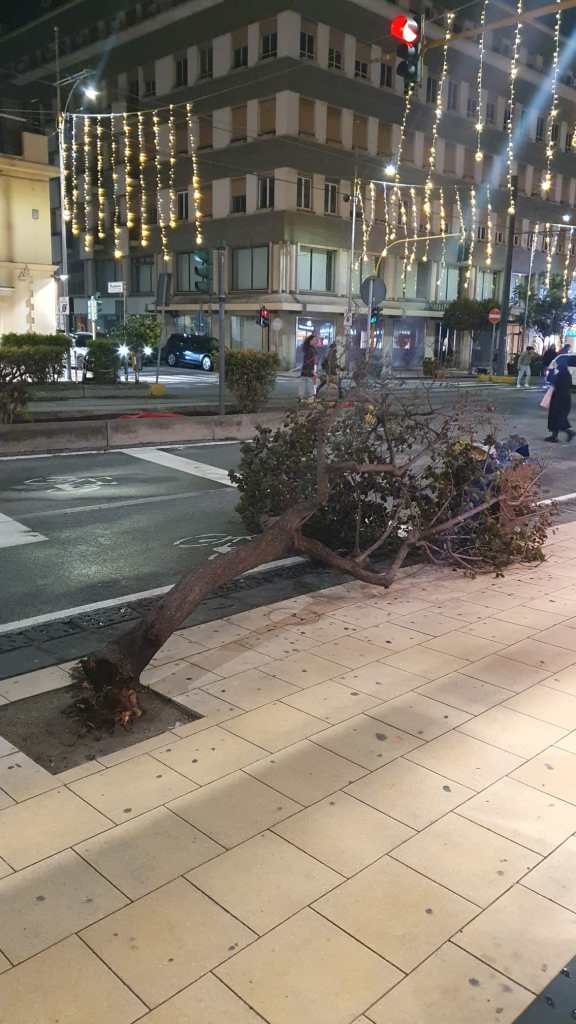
(170, 461)
(14, 534)
(114, 451)
(105, 506)
(559, 499)
(113, 602)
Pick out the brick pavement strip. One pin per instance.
(373, 822)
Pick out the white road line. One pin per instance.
(113, 451)
(162, 458)
(559, 499)
(109, 505)
(14, 534)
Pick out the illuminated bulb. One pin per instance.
(479, 126)
(479, 156)
(67, 215)
(117, 254)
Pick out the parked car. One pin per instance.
(190, 350)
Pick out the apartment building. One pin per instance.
(290, 103)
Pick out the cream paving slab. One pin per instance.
(544, 703)
(381, 680)
(119, 756)
(215, 634)
(560, 636)
(431, 622)
(426, 663)
(234, 809)
(522, 616)
(5, 869)
(350, 652)
(5, 800)
(251, 689)
(391, 636)
(327, 977)
(566, 743)
(22, 778)
(208, 756)
(207, 1001)
(213, 709)
(409, 793)
(45, 825)
(499, 631)
(274, 726)
(502, 671)
(331, 702)
(396, 605)
(560, 607)
(305, 669)
(465, 610)
(184, 679)
(177, 647)
(343, 833)
(451, 982)
(419, 716)
(264, 881)
(494, 599)
(518, 733)
(143, 854)
(49, 901)
(466, 858)
(130, 788)
(523, 815)
(6, 747)
(564, 680)
(306, 772)
(465, 693)
(4, 963)
(277, 616)
(396, 912)
(32, 683)
(524, 936)
(540, 655)
(364, 616)
(153, 675)
(366, 741)
(231, 659)
(279, 643)
(553, 771)
(555, 877)
(66, 984)
(465, 760)
(166, 940)
(324, 630)
(463, 645)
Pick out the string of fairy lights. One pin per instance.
(552, 124)
(480, 85)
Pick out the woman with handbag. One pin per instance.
(558, 401)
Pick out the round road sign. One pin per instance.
(495, 316)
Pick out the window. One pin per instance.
(185, 272)
(423, 280)
(304, 192)
(540, 129)
(240, 57)
(386, 76)
(239, 124)
(481, 233)
(449, 158)
(335, 49)
(499, 237)
(266, 192)
(206, 62)
(452, 102)
(306, 117)
(238, 195)
(205, 131)
(330, 197)
(307, 42)
(334, 125)
(269, 46)
(106, 270)
(134, 89)
(335, 58)
(360, 132)
(431, 90)
(143, 275)
(316, 269)
(384, 138)
(555, 132)
(362, 62)
(267, 117)
(149, 82)
(181, 71)
(471, 108)
(490, 113)
(182, 205)
(250, 269)
(360, 69)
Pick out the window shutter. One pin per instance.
(267, 120)
(306, 120)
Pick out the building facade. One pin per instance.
(27, 285)
(289, 107)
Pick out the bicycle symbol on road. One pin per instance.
(221, 543)
(68, 484)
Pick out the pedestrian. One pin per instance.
(524, 360)
(547, 356)
(308, 369)
(329, 368)
(560, 404)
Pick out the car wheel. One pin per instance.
(206, 363)
(171, 359)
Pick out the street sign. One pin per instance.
(115, 287)
(348, 318)
(378, 292)
(495, 316)
(64, 306)
(92, 308)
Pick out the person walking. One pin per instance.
(560, 404)
(329, 368)
(524, 360)
(308, 369)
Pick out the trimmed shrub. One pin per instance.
(250, 376)
(103, 360)
(39, 358)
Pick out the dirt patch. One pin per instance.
(39, 727)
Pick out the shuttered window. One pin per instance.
(306, 117)
(360, 132)
(334, 125)
(239, 124)
(267, 117)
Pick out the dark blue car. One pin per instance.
(193, 350)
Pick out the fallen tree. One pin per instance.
(360, 488)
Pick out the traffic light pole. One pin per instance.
(221, 330)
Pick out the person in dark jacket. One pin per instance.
(560, 404)
(308, 370)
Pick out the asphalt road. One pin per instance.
(81, 529)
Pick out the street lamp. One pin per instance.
(566, 217)
(390, 170)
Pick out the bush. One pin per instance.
(250, 376)
(430, 367)
(39, 358)
(103, 360)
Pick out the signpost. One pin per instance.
(494, 317)
(117, 288)
(93, 313)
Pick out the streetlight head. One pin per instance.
(390, 170)
(566, 217)
(62, 277)
(90, 92)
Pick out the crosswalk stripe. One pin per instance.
(177, 462)
(14, 534)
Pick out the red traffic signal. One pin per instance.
(405, 29)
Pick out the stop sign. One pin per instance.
(495, 316)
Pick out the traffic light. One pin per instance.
(408, 29)
(202, 271)
(263, 317)
(374, 315)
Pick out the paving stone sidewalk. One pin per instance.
(373, 823)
